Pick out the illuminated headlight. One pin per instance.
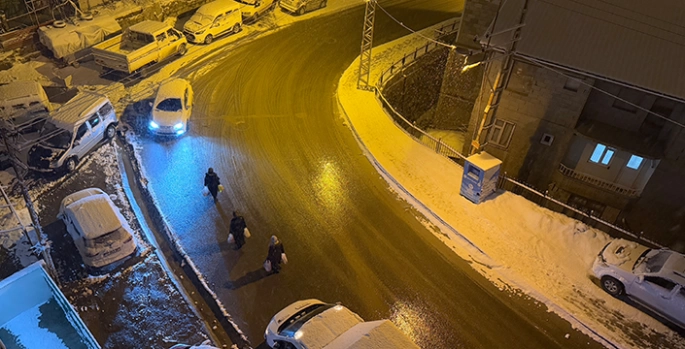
(178, 126)
(153, 125)
(298, 334)
(180, 132)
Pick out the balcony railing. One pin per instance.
(598, 182)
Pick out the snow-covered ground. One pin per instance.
(518, 245)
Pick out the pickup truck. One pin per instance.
(313, 324)
(140, 46)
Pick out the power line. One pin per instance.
(414, 31)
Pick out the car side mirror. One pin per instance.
(76, 143)
(216, 24)
(640, 279)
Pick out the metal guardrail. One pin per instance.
(598, 182)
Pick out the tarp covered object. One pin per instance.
(73, 38)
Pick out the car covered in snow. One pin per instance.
(72, 132)
(98, 229)
(655, 278)
(253, 9)
(313, 324)
(172, 108)
(300, 7)
(213, 20)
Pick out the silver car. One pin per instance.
(654, 278)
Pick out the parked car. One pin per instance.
(213, 20)
(140, 46)
(313, 324)
(25, 104)
(253, 9)
(98, 229)
(72, 132)
(172, 107)
(300, 7)
(654, 278)
(204, 345)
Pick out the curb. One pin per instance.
(239, 339)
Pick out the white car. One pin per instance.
(321, 321)
(98, 229)
(172, 108)
(654, 278)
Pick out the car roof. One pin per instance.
(80, 195)
(150, 27)
(323, 328)
(217, 7)
(77, 109)
(94, 215)
(20, 89)
(172, 88)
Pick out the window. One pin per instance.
(634, 162)
(547, 139)
(161, 37)
(105, 110)
(173, 35)
(284, 345)
(572, 84)
(94, 120)
(664, 283)
(81, 131)
(501, 132)
(602, 154)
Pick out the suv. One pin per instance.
(654, 278)
(73, 132)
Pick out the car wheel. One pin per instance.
(182, 49)
(236, 28)
(612, 286)
(110, 131)
(70, 166)
(300, 11)
(323, 4)
(208, 39)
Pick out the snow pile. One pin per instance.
(539, 252)
(25, 72)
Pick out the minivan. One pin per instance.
(25, 104)
(72, 132)
(212, 20)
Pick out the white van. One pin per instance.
(72, 132)
(212, 20)
(98, 229)
(24, 103)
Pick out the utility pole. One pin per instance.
(490, 111)
(41, 246)
(367, 44)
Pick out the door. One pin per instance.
(219, 25)
(81, 141)
(97, 129)
(655, 292)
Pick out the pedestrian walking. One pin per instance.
(276, 255)
(239, 230)
(212, 182)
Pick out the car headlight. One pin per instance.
(178, 126)
(180, 132)
(153, 125)
(199, 32)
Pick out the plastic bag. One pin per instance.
(284, 258)
(247, 232)
(205, 191)
(267, 266)
(221, 188)
(231, 239)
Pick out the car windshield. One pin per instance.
(170, 104)
(202, 19)
(653, 261)
(295, 322)
(56, 137)
(108, 238)
(248, 2)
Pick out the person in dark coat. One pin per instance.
(275, 251)
(212, 182)
(238, 230)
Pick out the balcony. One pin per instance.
(600, 183)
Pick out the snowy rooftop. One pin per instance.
(95, 215)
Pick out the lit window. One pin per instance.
(602, 154)
(634, 162)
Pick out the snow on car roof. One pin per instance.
(380, 334)
(77, 109)
(95, 215)
(172, 88)
(322, 329)
(674, 268)
(19, 89)
(215, 7)
(151, 27)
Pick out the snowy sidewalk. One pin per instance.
(535, 251)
